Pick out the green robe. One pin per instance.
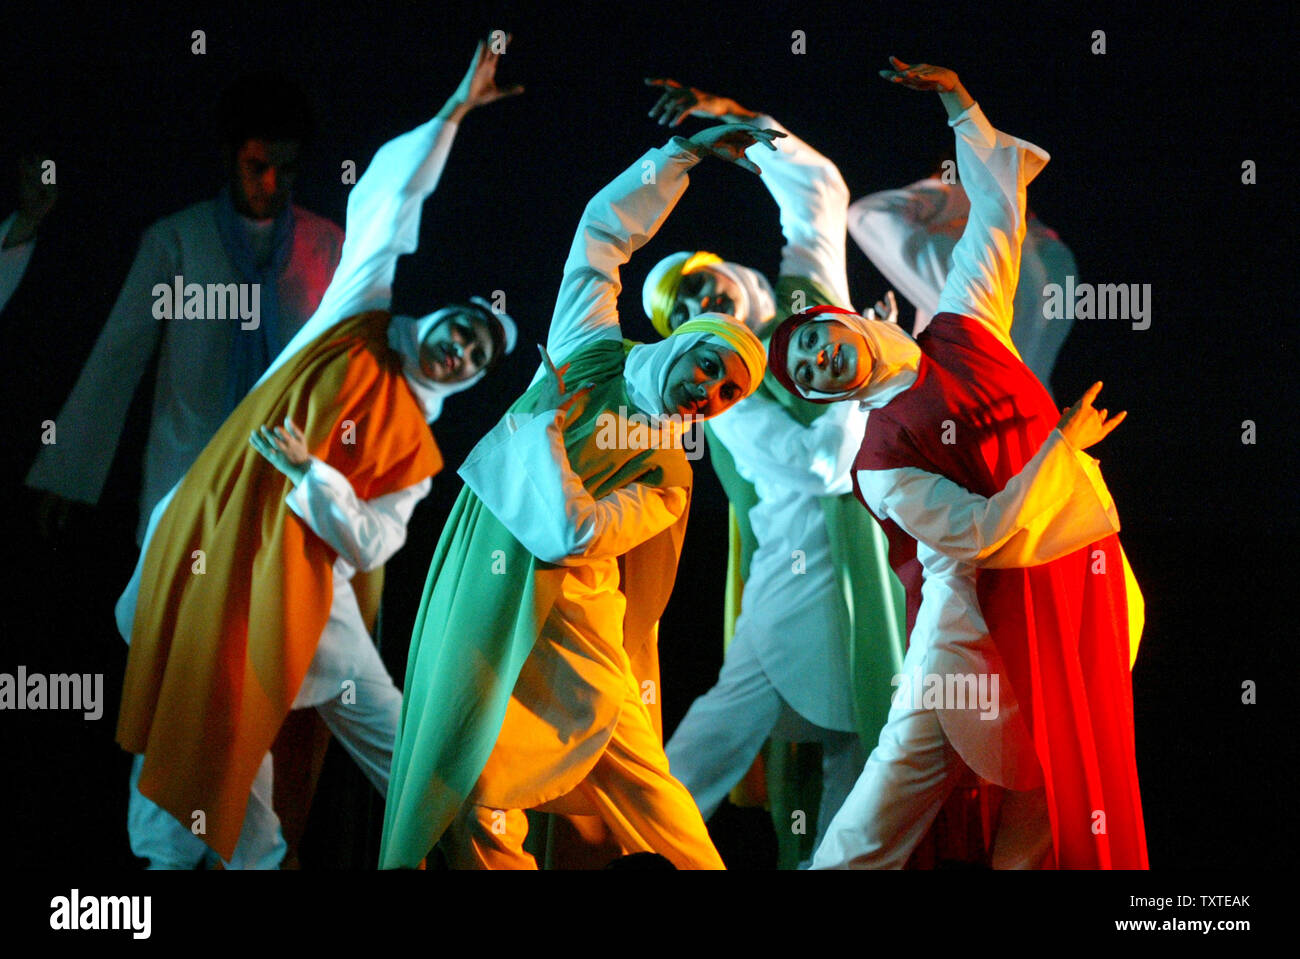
(486, 602)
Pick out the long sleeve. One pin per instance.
(813, 200)
(995, 169)
(769, 444)
(1057, 504)
(383, 223)
(909, 236)
(90, 424)
(13, 261)
(618, 221)
(521, 472)
(366, 533)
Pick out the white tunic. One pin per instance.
(190, 392)
(793, 612)
(909, 235)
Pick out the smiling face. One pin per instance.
(828, 357)
(703, 291)
(705, 380)
(456, 349)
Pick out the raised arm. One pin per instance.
(807, 187)
(622, 218)
(995, 169)
(383, 219)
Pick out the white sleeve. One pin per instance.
(521, 472)
(90, 423)
(768, 443)
(905, 236)
(995, 169)
(383, 223)
(618, 221)
(813, 200)
(1057, 504)
(13, 261)
(366, 533)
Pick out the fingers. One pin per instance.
(546, 360)
(1090, 395)
(747, 164)
(661, 82)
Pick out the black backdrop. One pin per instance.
(1146, 186)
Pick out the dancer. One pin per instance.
(241, 606)
(909, 235)
(1003, 532)
(820, 627)
(533, 678)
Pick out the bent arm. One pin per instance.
(1057, 504)
(521, 472)
(618, 221)
(995, 170)
(366, 533)
(813, 200)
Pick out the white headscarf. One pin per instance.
(895, 358)
(406, 333)
(647, 365)
(757, 306)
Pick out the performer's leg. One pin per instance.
(716, 742)
(645, 808)
(843, 759)
(156, 834)
(481, 837)
(907, 778)
(1024, 836)
(364, 719)
(260, 844)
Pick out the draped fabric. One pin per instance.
(236, 590)
(1060, 628)
(486, 602)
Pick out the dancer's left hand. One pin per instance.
(479, 86)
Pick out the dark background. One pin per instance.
(1145, 186)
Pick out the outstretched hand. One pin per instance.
(553, 396)
(1084, 426)
(886, 309)
(922, 76)
(479, 85)
(679, 102)
(729, 141)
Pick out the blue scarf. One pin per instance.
(251, 351)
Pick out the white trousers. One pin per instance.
(366, 728)
(718, 738)
(907, 779)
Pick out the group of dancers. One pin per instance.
(907, 511)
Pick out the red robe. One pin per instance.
(1061, 630)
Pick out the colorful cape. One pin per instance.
(236, 589)
(1061, 629)
(485, 603)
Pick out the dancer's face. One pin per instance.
(262, 176)
(828, 357)
(705, 380)
(456, 349)
(703, 292)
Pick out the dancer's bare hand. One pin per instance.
(1084, 426)
(679, 102)
(921, 76)
(729, 141)
(479, 86)
(553, 396)
(284, 447)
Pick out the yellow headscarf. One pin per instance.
(660, 292)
